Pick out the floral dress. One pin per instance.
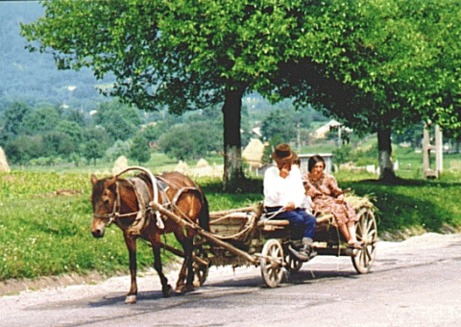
(324, 192)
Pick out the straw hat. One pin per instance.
(282, 153)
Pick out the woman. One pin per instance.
(327, 197)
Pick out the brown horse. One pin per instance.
(120, 201)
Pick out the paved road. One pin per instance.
(413, 283)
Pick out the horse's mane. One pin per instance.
(100, 185)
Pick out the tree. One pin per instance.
(95, 143)
(119, 120)
(13, 120)
(377, 65)
(119, 148)
(71, 129)
(191, 141)
(139, 149)
(41, 120)
(286, 124)
(75, 116)
(185, 55)
(23, 148)
(93, 150)
(278, 126)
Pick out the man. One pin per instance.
(284, 196)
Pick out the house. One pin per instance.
(322, 131)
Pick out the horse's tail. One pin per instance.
(204, 215)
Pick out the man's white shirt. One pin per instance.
(278, 191)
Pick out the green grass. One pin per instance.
(43, 233)
(158, 163)
(411, 204)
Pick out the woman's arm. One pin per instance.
(310, 190)
(333, 186)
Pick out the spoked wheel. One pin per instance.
(272, 260)
(367, 233)
(293, 263)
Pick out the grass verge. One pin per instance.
(45, 219)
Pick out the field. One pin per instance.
(45, 218)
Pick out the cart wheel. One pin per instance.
(272, 263)
(293, 263)
(200, 269)
(367, 233)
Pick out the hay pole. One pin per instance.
(207, 235)
(218, 214)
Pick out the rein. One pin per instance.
(115, 214)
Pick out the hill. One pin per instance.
(34, 76)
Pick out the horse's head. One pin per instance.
(103, 200)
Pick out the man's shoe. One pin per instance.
(301, 255)
(310, 252)
(296, 244)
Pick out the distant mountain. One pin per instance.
(34, 76)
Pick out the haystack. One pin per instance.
(120, 164)
(3, 162)
(358, 202)
(202, 163)
(253, 153)
(182, 167)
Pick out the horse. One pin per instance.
(121, 201)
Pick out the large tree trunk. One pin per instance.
(386, 167)
(233, 173)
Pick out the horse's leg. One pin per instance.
(131, 245)
(189, 264)
(186, 270)
(181, 276)
(166, 288)
(182, 271)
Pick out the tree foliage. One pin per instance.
(41, 120)
(191, 141)
(120, 121)
(279, 126)
(377, 64)
(183, 54)
(139, 149)
(13, 120)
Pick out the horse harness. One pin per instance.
(145, 212)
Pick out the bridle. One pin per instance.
(109, 218)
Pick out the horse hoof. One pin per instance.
(130, 299)
(183, 289)
(190, 288)
(167, 291)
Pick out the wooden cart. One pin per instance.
(245, 236)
